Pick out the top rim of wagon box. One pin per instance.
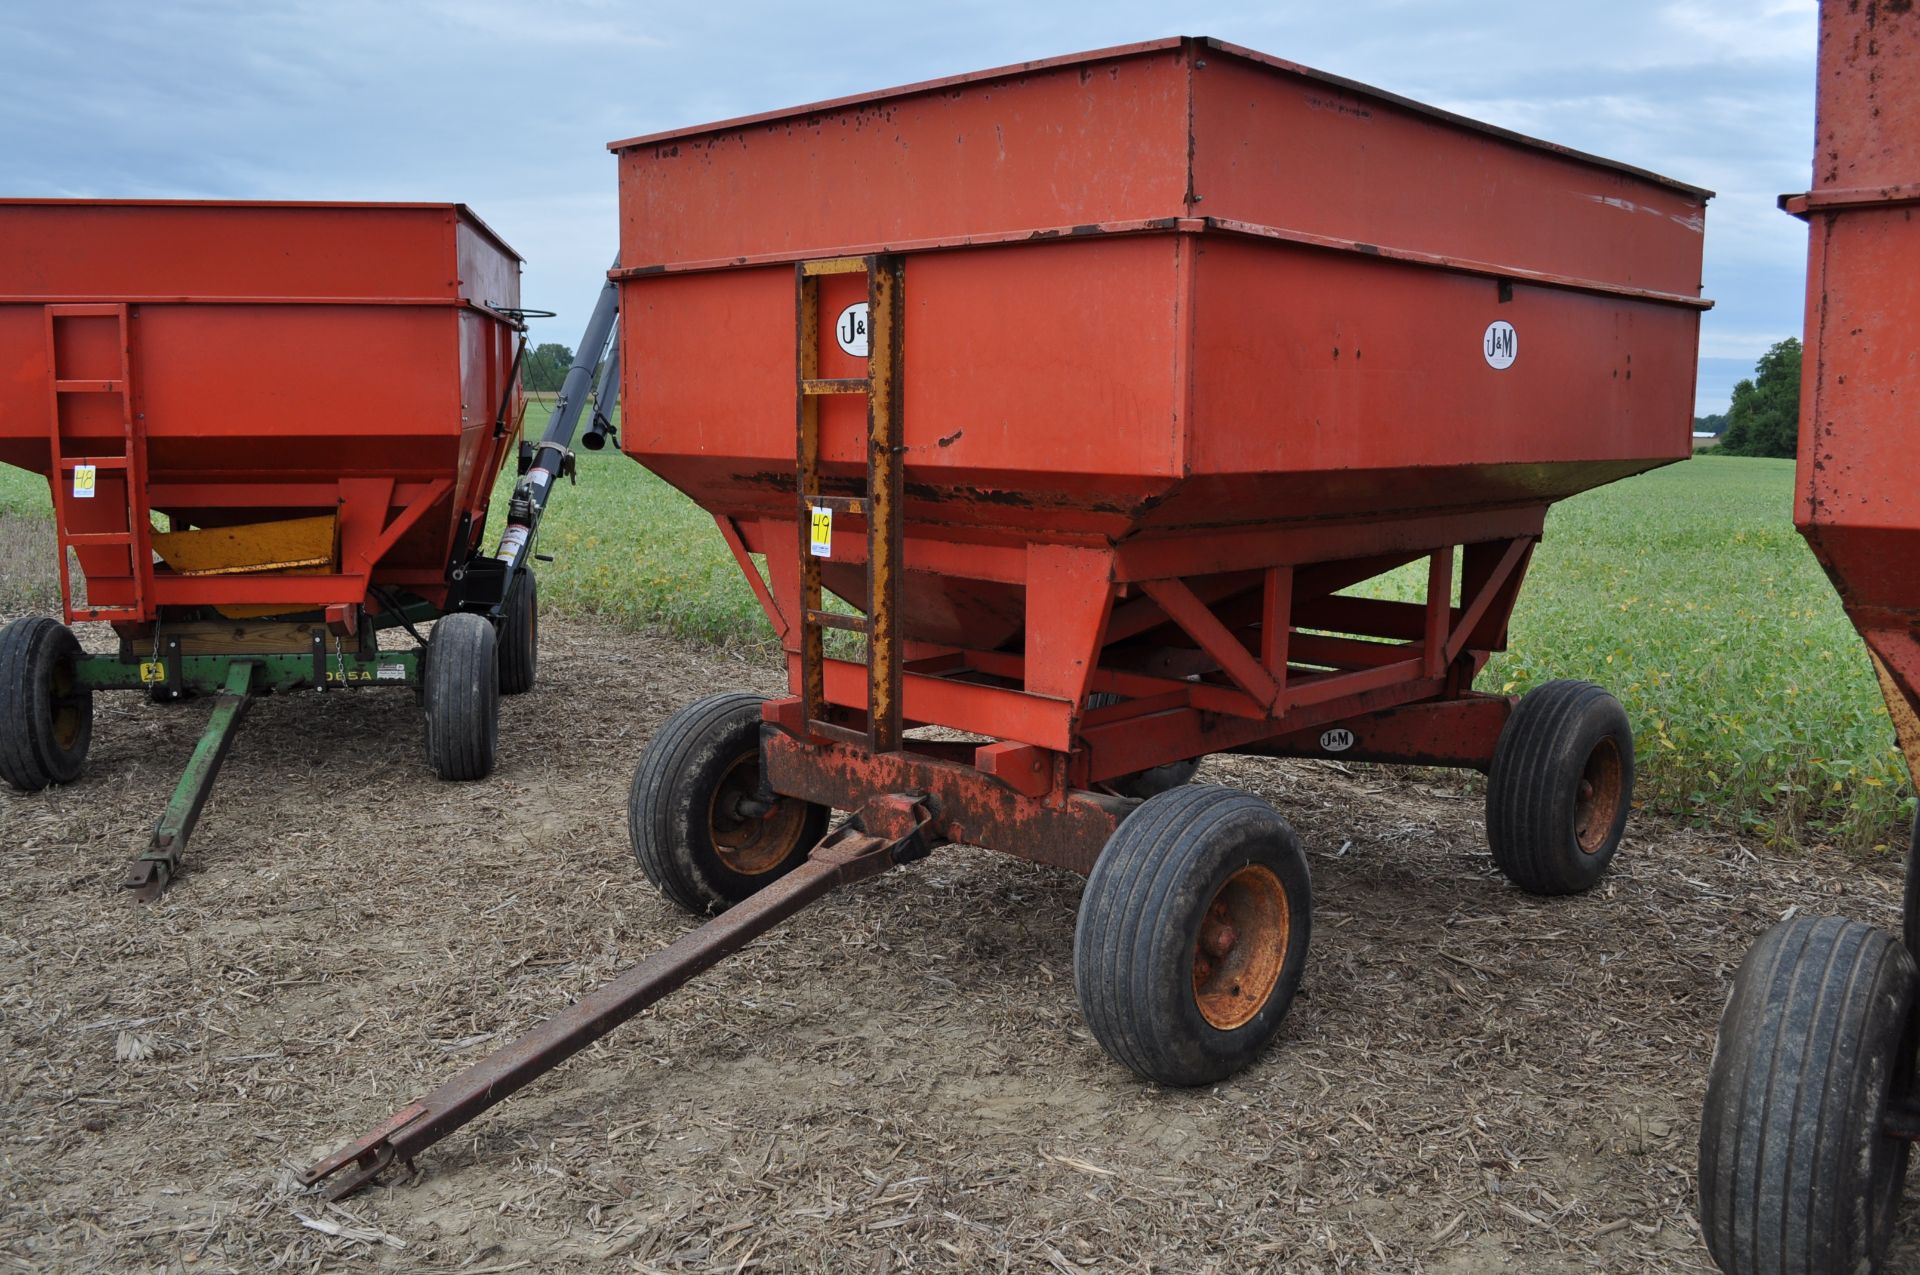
(464, 211)
(1155, 46)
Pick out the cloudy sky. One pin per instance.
(507, 105)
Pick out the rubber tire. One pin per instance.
(671, 800)
(520, 636)
(463, 697)
(1795, 1174)
(33, 650)
(1910, 898)
(1144, 903)
(1154, 780)
(1534, 781)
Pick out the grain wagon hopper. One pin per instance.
(1073, 401)
(1811, 1109)
(272, 432)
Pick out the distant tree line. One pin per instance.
(1764, 419)
(1715, 424)
(545, 366)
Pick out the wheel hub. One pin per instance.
(67, 715)
(748, 835)
(1597, 803)
(1241, 947)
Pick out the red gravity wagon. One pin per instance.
(1057, 416)
(272, 431)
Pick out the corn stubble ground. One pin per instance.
(1472, 1080)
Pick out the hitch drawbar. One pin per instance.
(846, 856)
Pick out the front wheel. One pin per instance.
(1193, 934)
(1559, 788)
(462, 697)
(702, 830)
(1798, 1176)
(46, 716)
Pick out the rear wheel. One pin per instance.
(46, 716)
(520, 635)
(1192, 934)
(1559, 788)
(701, 829)
(1797, 1174)
(463, 697)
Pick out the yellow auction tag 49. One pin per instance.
(822, 539)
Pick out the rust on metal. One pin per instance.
(750, 837)
(885, 517)
(834, 385)
(811, 642)
(1906, 721)
(1602, 788)
(1241, 947)
(1064, 828)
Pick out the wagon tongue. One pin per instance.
(845, 856)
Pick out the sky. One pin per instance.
(507, 106)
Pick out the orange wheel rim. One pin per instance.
(1241, 947)
(752, 845)
(1597, 806)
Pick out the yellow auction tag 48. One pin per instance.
(822, 539)
(83, 476)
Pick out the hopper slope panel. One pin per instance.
(1072, 145)
(1040, 384)
(1278, 147)
(113, 250)
(1375, 375)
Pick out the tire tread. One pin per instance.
(1526, 787)
(463, 697)
(1133, 906)
(1815, 1034)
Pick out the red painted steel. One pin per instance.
(1194, 339)
(1857, 501)
(284, 359)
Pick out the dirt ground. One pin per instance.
(1472, 1080)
